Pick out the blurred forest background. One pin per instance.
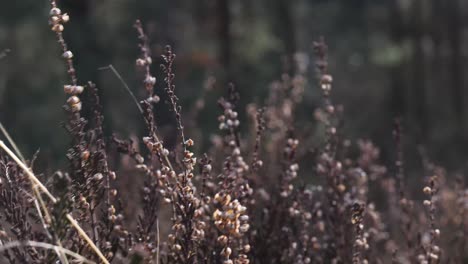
(389, 58)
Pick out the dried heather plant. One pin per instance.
(250, 199)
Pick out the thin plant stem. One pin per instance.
(127, 88)
(125, 85)
(157, 243)
(12, 142)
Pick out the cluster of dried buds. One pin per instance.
(189, 160)
(164, 176)
(238, 168)
(432, 250)
(326, 83)
(189, 225)
(290, 172)
(57, 19)
(258, 114)
(149, 80)
(181, 222)
(307, 216)
(360, 241)
(232, 221)
(117, 221)
(291, 146)
(144, 62)
(155, 146)
(320, 50)
(228, 120)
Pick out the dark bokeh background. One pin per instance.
(389, 58)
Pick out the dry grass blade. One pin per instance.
(8, 137)
(31, 175)
(86, 238)
(14, 244)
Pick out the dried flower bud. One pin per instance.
(427, 190)
(188, 154)
(246, 248)
(73, 100)
(148, 60)
(236, 152)
(165, 152)
(226, 252)
(140, 62)
(244, 228)
(85, 155)
(73, 89)
(341, 188)
(111, 210)
(67, 55)
(189, 142)
(65, 18)
(259, 163)
(76, 107)
(244, 217)
(150, 80)
(112, 174)
(55, 11)
(326, 79)
(154, 99)
(98, 176)
(222, 240)
(57, 28)
(53, 20)
(3, 234)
